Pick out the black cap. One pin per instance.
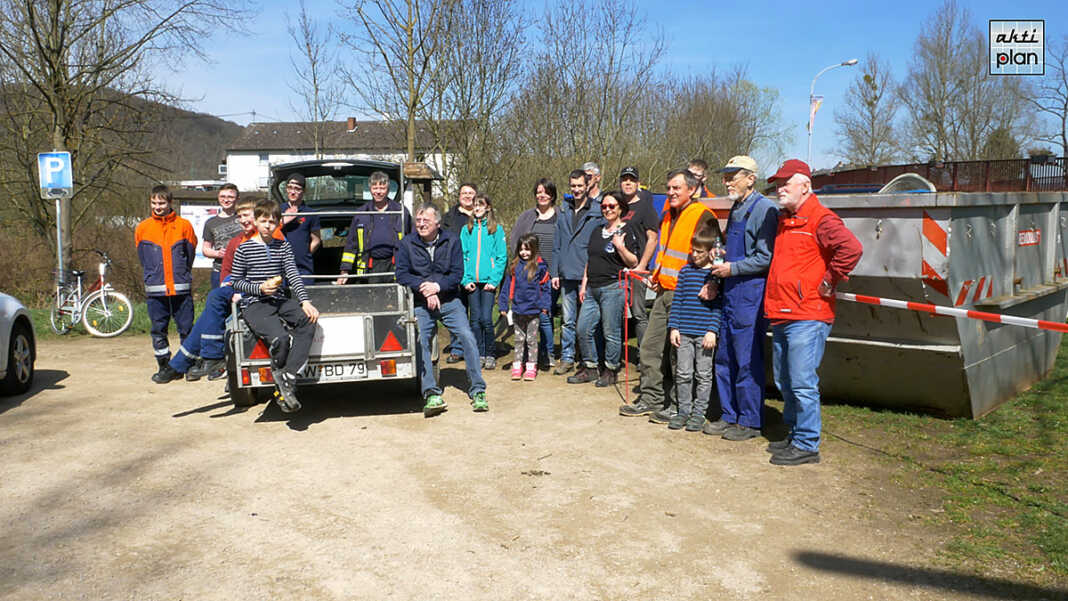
(631, 171)
(296, 178)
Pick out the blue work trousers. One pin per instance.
(206, 338)
(797, 350)
(160, 310)
(452, 314)
(740, 353)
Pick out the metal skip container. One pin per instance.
(996, 252)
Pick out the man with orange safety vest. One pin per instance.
(813, 252)
(744, 269)
(166, 247)
(677, 226)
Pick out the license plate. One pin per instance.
(333, 372)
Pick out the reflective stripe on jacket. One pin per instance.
(798, 266)
(673, 250)
(166, 247)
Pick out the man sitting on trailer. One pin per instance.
(431, 264)
(813, 252)
(373, 239)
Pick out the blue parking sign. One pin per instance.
(56, 174)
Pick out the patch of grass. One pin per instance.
(1002, 480)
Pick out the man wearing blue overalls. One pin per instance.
(740, 357)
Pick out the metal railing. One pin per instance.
(1036, 174)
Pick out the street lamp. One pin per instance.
(812, 98)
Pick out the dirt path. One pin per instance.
(117, 488)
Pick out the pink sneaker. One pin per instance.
(531, 372)
(517, 371)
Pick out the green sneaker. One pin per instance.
(434, 405)
(479, 402)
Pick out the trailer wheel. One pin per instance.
(241, 397)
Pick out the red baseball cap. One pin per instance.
(791, 168)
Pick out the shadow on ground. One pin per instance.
(43, 379)
(932, 579)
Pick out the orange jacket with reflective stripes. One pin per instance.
(166, 247)
(675, 237)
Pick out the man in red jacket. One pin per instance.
(813, 252)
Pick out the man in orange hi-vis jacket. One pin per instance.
(166, 246)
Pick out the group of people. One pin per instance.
(715, 293)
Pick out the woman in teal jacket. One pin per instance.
(485, 259)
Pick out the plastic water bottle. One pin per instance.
(717, 252)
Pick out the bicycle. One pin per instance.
(102, 310)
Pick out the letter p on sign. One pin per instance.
(57, 178)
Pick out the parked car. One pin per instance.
(18, 346)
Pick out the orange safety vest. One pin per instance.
(675, 238)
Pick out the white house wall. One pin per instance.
(249, 172)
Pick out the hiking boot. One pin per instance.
(738, 433)
(695, 423)
(563, 368)
(279, 350)
(795, 456)
(608, 378)
(778, 446)
(677, 421)
(663, 416)
(434, 405)
(582, 375)
(479, 403)
(635, 410)
(166, 374)
(716, 428)
(453, 359)
(517, 371)
(204, 367)
(218, 370)
(287, 391)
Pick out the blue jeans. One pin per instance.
(545, 324)
(602, 306)
(797, 348)
(453, 316)
(482, 310)
(206, 338)
(569, 318)
(215, 275)
(454, 347)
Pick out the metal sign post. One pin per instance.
(57, 181)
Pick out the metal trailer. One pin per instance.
(997, 252)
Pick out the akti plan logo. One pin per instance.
(1017, 47)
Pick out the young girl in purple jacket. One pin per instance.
(526, 294)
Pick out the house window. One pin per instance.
(263, 157)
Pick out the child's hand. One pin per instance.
(470, 287)
(310, 311)
(709, 341)
(676, 338)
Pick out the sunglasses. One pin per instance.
(606, 207)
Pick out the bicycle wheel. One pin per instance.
(62, 316)
(107, 313)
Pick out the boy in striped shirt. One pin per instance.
(693, 324)
(262, 266)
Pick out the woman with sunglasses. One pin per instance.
(612, 247)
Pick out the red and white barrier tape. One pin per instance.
(950, 311)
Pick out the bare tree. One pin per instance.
(75, 77)
(1050, 95)
(397, 42)
(316, 78)
(481, 61)
(953, 104)
(866, 131)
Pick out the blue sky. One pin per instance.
(783, 45)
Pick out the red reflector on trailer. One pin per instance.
(390, 344)
(246, 378)
(260, 351)
(266, 376)
(388, 367)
